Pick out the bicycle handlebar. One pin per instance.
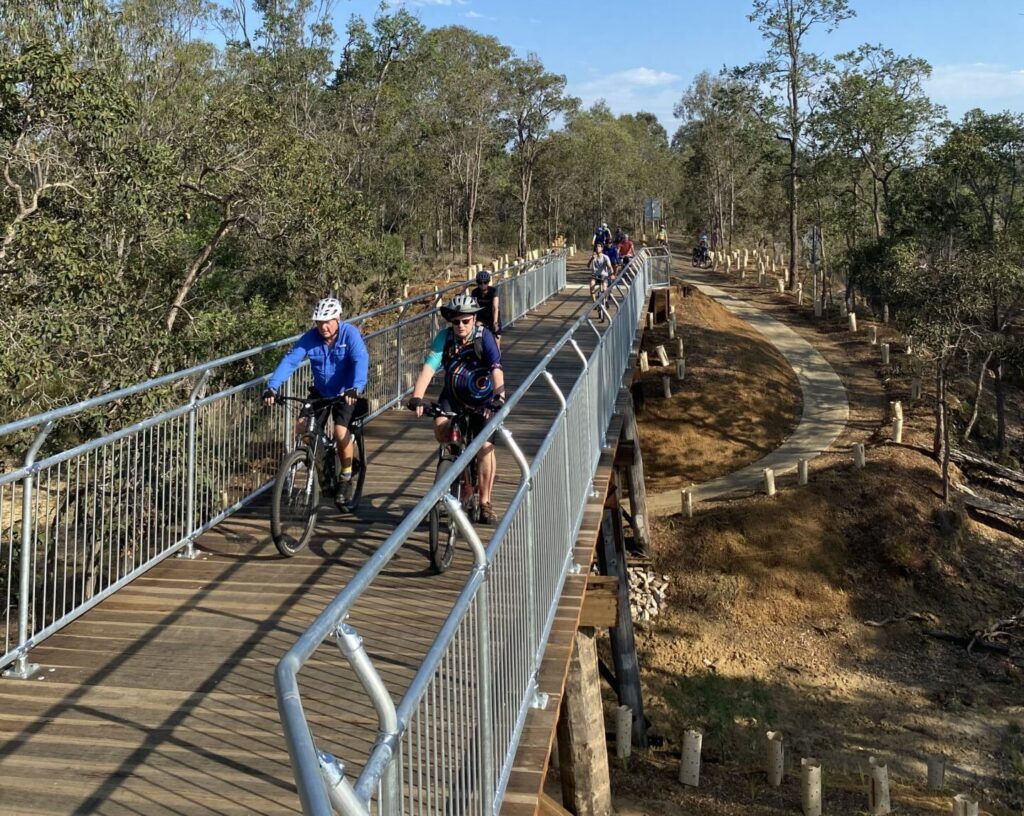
(433, 409)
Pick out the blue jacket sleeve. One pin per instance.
(291, 361)
(360, 357)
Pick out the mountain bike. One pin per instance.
(443, 533)
(310, 464)
(701, 256)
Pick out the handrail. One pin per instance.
(320, 778)
(78, 524)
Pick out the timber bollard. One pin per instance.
(689, 765)
(666, 386)
(680, 370)
(896, 409)
(878, 788)
(843, 311)
(769, 482)
(852, 316)
(915, 388)
(818, 309)
(801, 471)
(873, 335)
(858, 456)
(775, 764)
(645, 363)
(897, 431)
(936, 772)
(650, 320)
(686, 496)
(799, 294)
(662, 355)
(885, 354)
(964, 805)
(781, 284)
(885, 313)
(623, 732)
(679, 348)
(810, 786)
(672, 327)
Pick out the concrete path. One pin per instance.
(825, 407)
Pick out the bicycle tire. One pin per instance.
(293, 507)
(442, 533)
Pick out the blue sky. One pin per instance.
(644, 59)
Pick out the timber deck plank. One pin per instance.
(161, 699)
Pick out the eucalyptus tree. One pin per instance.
(533, 99)
(874, 109)
(791, 74)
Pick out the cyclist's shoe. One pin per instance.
(487, 515)
(344, 494)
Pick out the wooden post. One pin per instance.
(801, 471)
(858, 455)
(853, 321)
(769, 482)
(964, 805)
(650, 320)
(612, 559)
(873, 335)
(635, 477)
(897, 431)
(582, 755)
(645, 364)
(885, 354)
(885, 312)
(679, 348)
(915, 388)
(672, 327)
(799, 294)
(666, 386)
(680, 370)
(662, 355)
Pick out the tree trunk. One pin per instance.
(792, 213)
(940, 410)
(1000, 392)
(977, 396)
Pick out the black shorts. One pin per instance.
(477, 420)
(341, 411)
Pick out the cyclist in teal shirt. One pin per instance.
(474, 383)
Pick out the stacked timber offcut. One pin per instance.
(646, 593)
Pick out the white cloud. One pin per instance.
(985, 85)
(422, 3)
(635, 89)
(476, 15)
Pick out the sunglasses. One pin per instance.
(463, 321)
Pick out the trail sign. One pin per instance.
(652, 208)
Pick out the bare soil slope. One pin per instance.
(739, 400)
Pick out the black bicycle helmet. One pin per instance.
(483, 276)
(460, 304)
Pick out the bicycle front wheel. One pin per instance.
(442, 530)
(295, 501)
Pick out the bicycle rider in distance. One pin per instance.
(490, 307)
(662, 235)
(339, 362)
(474, 383)
(601, 269)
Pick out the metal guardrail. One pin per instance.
(80, 523)
(448, 745)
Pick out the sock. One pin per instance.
(346, 473)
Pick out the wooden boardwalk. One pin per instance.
(161, 699)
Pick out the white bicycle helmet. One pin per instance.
(460, 304)
(327, 309)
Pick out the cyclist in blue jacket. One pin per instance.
(339, 362)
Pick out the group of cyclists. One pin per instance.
(611, 255)
(467, 349)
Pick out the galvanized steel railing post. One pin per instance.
(351, 646)
(22, 669)
(190, 500)
(485, 680)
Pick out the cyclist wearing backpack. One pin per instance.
(339, 362)
(474, 383)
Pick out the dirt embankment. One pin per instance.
(738, 401)
(816, 613)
